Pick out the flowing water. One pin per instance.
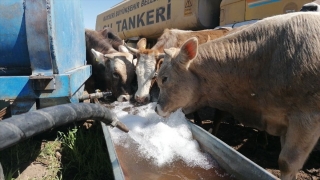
(158, 148)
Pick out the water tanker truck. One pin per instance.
(134, 19)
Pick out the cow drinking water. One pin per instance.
(149, 60)
(112, 70)
(266, 76)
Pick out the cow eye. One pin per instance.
(115, 75)
(164, 79)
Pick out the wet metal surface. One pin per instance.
(135, 167)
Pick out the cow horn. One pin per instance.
(109, 56)
(122, 48)
(131, 49)
(208, 38)
(170, 52)
(98, 55)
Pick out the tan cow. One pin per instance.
(266, 75)
(148, 60)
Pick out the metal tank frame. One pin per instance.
(42, 54)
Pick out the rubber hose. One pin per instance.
(20, 127)
(1, 173)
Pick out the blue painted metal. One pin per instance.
(13, 47)
(68, 14)
(38, 41)
(42, 53)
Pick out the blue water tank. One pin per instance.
(41, 37)
(42, 53)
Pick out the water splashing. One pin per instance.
(161, 141)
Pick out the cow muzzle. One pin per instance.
(144, 99)
(159, 111)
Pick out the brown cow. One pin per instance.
(266, 75)
(115, 71)
(148, 60)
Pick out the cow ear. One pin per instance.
(123, 49)
(98, 55)
(104, 32)
(188, 51)
(142, 43)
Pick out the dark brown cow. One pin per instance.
(114, 70)
(266, 75)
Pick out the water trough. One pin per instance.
(231, 161)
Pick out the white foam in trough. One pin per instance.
(161, 141)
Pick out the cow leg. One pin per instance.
(218, 116)
(302, 134)
(217, 119)
(262, 139)
(197, 119)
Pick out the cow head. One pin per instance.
(148, 63)
(178, 85)
(117, 70)
(313, 6)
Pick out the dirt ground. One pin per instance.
(245, 140)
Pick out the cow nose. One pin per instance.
(124, 99)
(141, 99)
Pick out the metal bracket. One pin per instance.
(42, 83)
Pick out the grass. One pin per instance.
(74, 153)
(85, 154)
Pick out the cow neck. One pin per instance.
(226, 56)
(154, 78)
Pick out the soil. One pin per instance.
(247, 141)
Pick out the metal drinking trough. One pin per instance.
(228, 158)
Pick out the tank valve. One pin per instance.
(97, 95)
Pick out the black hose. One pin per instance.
(1, 173)
(21, 127)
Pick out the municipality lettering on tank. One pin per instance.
(141, 18)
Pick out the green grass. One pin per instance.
(15, 158)
(83, 153)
